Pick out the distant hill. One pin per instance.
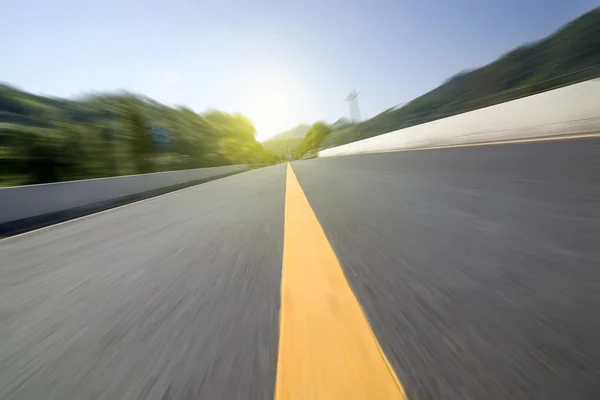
(295, 133)
(283, 144)
(569, 55)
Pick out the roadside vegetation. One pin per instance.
(44, 139)
(313, 140)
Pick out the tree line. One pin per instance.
(44, 139)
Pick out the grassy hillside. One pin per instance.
(569, 55)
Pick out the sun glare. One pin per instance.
(268, 103)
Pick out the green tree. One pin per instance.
(141, 145)
(46, 139)
(314, 137)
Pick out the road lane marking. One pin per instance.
(327, 349)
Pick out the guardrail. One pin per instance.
(573, 109)
(32, 206)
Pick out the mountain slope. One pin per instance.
(295, 133)
(285, 143)
(569, 55)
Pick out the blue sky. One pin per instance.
(279, 62)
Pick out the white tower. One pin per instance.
(352, 100)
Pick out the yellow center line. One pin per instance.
(326, 347)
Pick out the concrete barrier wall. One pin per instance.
(568, 110)
(21, 202)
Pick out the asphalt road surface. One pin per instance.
(478, 269)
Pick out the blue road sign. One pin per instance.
(161, 137)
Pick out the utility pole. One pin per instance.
(352, 100)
